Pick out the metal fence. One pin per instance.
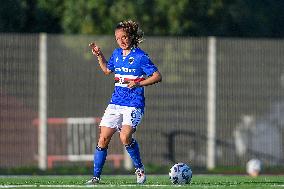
(248, 111)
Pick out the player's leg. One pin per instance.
(108, 127)
(131, 118)
(101, 149)
(131, 145)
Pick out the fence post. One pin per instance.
(42, 129)
(211, 104)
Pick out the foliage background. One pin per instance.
(236, 18)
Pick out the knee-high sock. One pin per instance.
(99, 160)
(133, 151)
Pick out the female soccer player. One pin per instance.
(133, 70)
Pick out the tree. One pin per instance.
(240, 18)
(11, 16)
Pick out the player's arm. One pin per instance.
(154, 78)
(101, 58)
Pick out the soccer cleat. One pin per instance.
(94, 180)
(141, 177)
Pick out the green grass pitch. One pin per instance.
(153, 181)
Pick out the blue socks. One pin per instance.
(101, 153)
(133, 151)
(99, 160)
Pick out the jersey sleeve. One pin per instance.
(147, 65)
(110, 63)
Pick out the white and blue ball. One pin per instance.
(253, 167)
(180, 173)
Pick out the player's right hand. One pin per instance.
(95, 49)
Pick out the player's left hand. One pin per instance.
(133, 84)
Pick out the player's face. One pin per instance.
(122, 39)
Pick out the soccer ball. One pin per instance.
(253, 167)
(180, 173)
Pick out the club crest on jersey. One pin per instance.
(131, 60)
(116, 59)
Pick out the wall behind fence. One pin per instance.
(249, 98)
(18, 99)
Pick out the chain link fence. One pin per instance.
(249, 98)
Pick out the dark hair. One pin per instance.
(133, 31)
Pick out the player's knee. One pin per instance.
(125, 139)
(103, 141)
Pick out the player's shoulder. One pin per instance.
(117, 51)
(139, 52)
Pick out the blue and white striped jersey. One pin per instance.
(135, 66)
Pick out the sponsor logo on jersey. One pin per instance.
(127, 70)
